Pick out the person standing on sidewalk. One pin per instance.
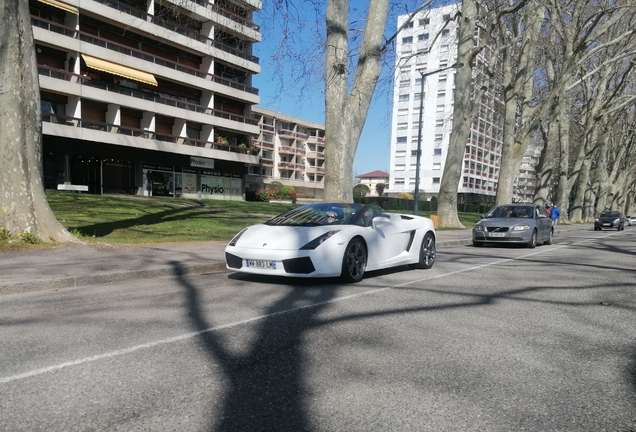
(554, 215)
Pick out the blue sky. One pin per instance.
(299, 91)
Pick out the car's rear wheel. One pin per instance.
(533, 240)
(550, 238)
(354, 261)
(428, 250)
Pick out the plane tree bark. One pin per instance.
(23, 204)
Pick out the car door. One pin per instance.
(544, 223)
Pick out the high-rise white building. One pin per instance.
(427, 43)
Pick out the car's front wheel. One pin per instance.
(428, 251)
(354, 261)
(533, 240)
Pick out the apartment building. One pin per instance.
(290, 151)
(426, 44)
(148, 97)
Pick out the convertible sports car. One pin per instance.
(331, 239)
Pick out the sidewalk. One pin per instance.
(81, 264)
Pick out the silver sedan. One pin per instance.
(527, 224)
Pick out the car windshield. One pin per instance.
(317, 215)
(609, 214)
(510, 212)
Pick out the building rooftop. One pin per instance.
(374, 174)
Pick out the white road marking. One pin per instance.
(190, 335)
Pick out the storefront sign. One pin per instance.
(201, 162)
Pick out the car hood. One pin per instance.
(282, 237)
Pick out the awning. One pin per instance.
(61, 5)
(120, 70)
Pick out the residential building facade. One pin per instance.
(526, 181)
(426, 44)
(148, 97)
(290, 150)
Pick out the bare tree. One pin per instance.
(23, 204)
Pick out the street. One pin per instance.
(489, 339)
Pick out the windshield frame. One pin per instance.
(316, 215)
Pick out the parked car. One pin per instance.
(332, 239)
(527, 224)
(631, 220)
(609, 219)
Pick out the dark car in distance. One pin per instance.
(609, 219)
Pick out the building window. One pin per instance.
(403, 112)
(440, 108)
(403, 98)
(439, 122)
(413, 152)
(400, 153)
(425, 22)
(445, 33)
(435, 180)
(402, 125)
(407, 39)
(399, 181)
(409, 25)
(437, 152)
(401, 139)
(400, 167)
(446, 17)
(437, 166)
(422, 37)
(439, 137)
(441, 94)
(443, 63)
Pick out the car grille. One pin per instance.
(497, 229)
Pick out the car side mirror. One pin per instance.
(380, 220)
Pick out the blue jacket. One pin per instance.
(554, 212)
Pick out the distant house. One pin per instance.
(371, 179)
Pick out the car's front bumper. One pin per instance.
(507, 237)
(320, 262)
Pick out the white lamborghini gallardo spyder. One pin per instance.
(331, 240)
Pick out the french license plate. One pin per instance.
(261, 264)
(495, 234)
(607, 224)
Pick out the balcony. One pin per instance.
(75, 122)
(262, 144)
(267, 127)
(286, 150)
(185, 31)
(183, 103)
(122, 49)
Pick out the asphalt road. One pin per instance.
(489, 339)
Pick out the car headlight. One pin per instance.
(596, 220)
(521, 228)
(617, 220)
(478, 228)
(236, 237)
(318, 241)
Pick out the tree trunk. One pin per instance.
(462, 119)
(23, 204)
(345, 114)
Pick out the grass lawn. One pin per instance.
(129, 219)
